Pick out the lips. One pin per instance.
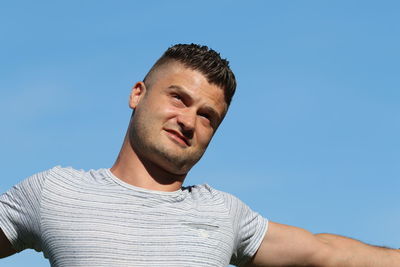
(178, 137)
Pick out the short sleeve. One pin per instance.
(250, 228)
(20, 213)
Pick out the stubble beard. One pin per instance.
(147, 148)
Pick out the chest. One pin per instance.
(101, 228)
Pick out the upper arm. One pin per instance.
(285, 245)
(6, 248)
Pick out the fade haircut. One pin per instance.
(204, 60)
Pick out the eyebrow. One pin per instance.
(208, 109)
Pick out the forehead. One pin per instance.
(192, 81)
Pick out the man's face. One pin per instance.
(175, 117)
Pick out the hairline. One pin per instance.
(167, 61)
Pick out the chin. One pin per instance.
(178, 165)
(170, 159)
(177, 168)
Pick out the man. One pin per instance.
(138, 214)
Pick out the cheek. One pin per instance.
(169, 113)
(204, 135)
(160, 112)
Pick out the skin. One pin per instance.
(175, 116)
(286, 245)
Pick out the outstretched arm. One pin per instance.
(285, 245)
(5, 246)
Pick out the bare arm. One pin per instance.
(6, 248)
(286, 245)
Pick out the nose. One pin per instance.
(187, 122)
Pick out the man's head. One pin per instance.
(202, 59)
(179, 106)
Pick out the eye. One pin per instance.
(205, 115)
(176, 96)
(177, 100)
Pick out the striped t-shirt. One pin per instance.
(94, 219)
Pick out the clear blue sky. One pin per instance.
(312, 137)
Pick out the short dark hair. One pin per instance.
(205, 60)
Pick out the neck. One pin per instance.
(132, 169)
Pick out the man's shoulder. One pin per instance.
(65, 171)
(206, 192)
(203, 190)
(59, 174)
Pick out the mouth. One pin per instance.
(178, 137)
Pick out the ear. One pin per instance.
(138, 91)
